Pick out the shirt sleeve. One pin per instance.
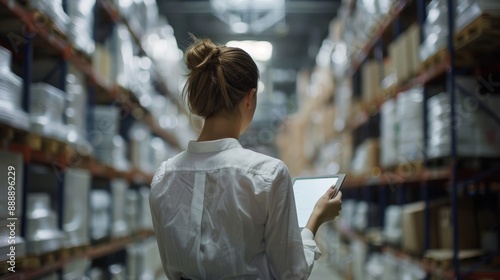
(291, 253)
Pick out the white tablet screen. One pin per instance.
(307, 191)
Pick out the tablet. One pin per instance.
(307, 191)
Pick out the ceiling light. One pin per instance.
(258, 15)
(239, 27)
(258, 50)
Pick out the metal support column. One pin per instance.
(27, 77)
(63, 71)
(453, 152)
(424, 191)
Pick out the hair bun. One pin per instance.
(201, 54)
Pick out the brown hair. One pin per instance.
(218, 77)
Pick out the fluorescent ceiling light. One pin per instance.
(259, 50)
(239, 27)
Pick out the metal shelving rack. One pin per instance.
(46, 37)
(457, 177)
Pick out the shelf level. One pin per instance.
(35, 149)
(115, 16)
(65, 48)
(390, 18)
(93, 252)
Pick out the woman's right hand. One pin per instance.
(326, 209)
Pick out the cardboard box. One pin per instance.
(371, 80)
(101, 62)
(413, 221)
(413, 47)
(467, 234)
(399, 57)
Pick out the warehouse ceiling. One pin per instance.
(296, 38)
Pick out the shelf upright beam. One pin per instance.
(382, 203)
(63, 71)
(424, 191)
(63, 66)
(27, 78)
(453, 134)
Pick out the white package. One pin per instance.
(119, 224)
(76, 206)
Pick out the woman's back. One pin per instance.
(213, 202)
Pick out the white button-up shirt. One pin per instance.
(224, 212)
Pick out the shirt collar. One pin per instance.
(213, 146)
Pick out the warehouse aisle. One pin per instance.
(323, 270)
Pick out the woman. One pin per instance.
(221, 211)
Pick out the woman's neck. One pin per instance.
(219, 127)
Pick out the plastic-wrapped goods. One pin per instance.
(105, 128)
(469, 10)
(144, 16)
(140, 140)
(125, 7)
(119, 224)
(54, 10)
(76, 206)
(348, 211)
(159, 152)
(477, 134)
(42, 234)
(343, 101)
(76, 112)
(360, 220)
(392, 228)
(95, 273)
(411, 271)
(100, 218)
(161, 46)
(117, 272)
(391, 267)
(149, 259)
(359, 251)
(11, 112)
(145, 221)
(75, 269)
(388, 133)
(409, 109)
(46, 109)
(435, 29)
(133, 260)
(131, 211)
(374, 267)
(80, 30)
(119, 154)
(385, 5)
(123, 50)
(366, 156)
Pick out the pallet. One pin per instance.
(47, 145)
(46, 259)
(12, 134)
(480, 35)
(77, 251)
(462, 58)
(479, 163)
(406, 168)
(20, 265)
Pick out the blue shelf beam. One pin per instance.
(453, 131)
